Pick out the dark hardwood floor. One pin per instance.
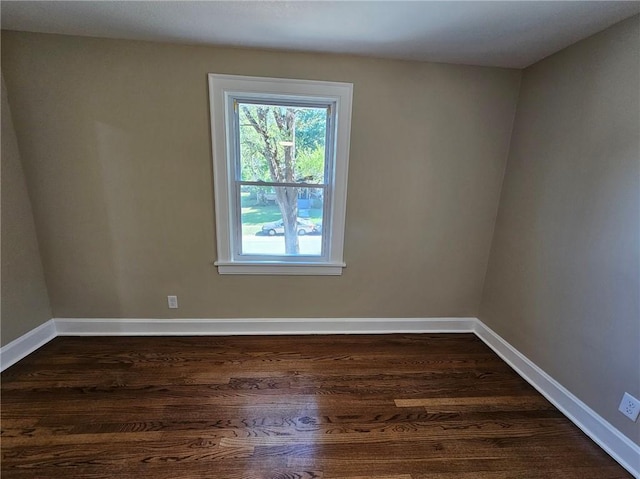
(350, 407)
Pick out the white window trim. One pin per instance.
(221, 87)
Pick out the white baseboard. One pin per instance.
(26, 344)
(259, 326)
(616, 444)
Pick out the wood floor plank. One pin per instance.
(406, 406)
(394, 476)
(475, 403)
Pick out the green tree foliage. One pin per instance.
(310, 165)
(309, 148)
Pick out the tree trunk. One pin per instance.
(288, 202)
(289, 208)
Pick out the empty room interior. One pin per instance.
(333, 240)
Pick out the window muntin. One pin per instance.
(254, 188)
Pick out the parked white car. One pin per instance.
(277, 227)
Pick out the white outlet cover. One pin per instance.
(629, 406)
(172, 301)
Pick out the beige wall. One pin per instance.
(563, 280)
(116, 147)
(24, 300)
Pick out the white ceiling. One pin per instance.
(507, 34)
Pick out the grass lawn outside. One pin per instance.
(254, 216)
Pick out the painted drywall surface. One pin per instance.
(25, 303)
(563, 279)
(115, 141)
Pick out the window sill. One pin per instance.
(300, 269)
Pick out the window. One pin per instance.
(280, 158)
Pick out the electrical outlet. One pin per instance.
(629, 406)
(173, 302)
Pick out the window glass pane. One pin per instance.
(263, 227)
(283, 144)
